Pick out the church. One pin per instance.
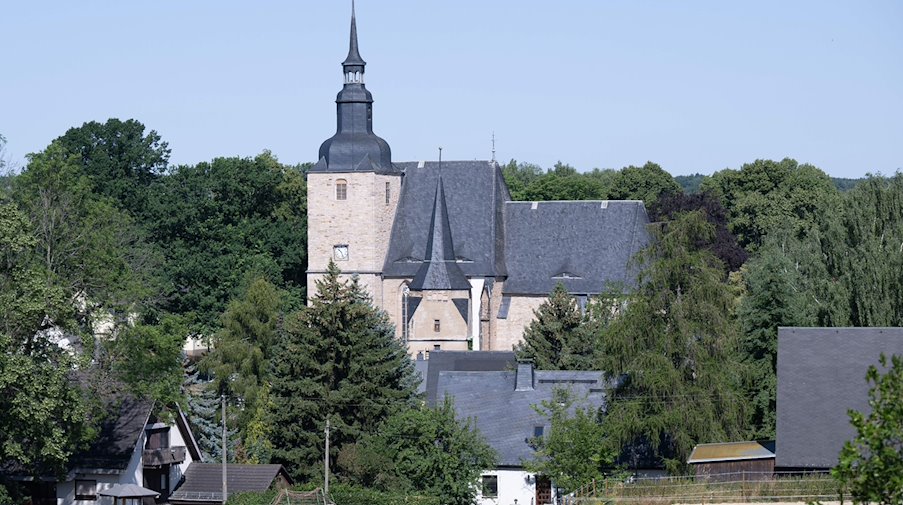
(440, 245)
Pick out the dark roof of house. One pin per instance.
(203, 481)
(505, 416)
(440, 270)
(821, 374)
(475, 193)
(463, 361)
(586, 245)
(118, 435)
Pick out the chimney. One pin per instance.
(524, 378)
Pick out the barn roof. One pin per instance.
(732, 451)
(821, 374)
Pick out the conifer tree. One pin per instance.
(674, 351)
(554, 339)
(338, 359)
(205, 415)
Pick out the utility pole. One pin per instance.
(223, 399)
(326, 468)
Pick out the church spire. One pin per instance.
(439, 270)
(354, 147)
(353, 64)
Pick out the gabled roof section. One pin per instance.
(586, 245)
(439, 269)
(821, 374)
(459, 361)
(475, 193)
(118, 434)
(203, 481)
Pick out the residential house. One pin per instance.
(132, 447)
(502, 405)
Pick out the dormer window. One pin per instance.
(341, 189)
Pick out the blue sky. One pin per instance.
(695, 86)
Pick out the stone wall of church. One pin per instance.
(508, 332)
(362, 221)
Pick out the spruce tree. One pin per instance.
(554, 340)
(338, 359)
(205, 415)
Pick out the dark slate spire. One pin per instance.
(353, 63)
(354, 147)
(439, 269)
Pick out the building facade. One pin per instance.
(440, 246)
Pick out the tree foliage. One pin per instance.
(225, 221)
(555, 339)
(422, 450)
(765, 196)
(646, 183)
(118, 159)
(674, 351)
(574, 451)
(871, 465)
(339, 359)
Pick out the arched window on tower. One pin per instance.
(341, 189)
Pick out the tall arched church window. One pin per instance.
(341, 189)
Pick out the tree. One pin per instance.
(88, 247)
(574, 451)
(205, 415)
(766, 195)
(673, 351)
(518, 176)
(646, 183)
(554, 339)
(148, 359)
(336, 359)
(243, 347)
(422, 450)
(224, 222)
(775, 296)
(42, 414)
(119, 159)
(871, 465)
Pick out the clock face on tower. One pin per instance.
(340, 252)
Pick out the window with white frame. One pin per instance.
(341, 189)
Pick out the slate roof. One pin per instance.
(460, 361)
(505, 416)
(118, 436)
(203, 481)
(821, 374)
(586, 245)
(475, 194)
(440, 270)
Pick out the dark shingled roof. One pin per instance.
(821, 374)
(118, 435)
(506, 417)
(472, 361)
(585, 245)
(204, 481)
(475, 193)
(440, 270)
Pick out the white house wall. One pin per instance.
(177, 471)
(515, 486)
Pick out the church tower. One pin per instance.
(352, 191)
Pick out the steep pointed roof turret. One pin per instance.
(440, 270)
(353, 62)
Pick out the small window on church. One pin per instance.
(436, 325)
(341, 189)
(388, 192)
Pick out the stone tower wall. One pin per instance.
(363, 221)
